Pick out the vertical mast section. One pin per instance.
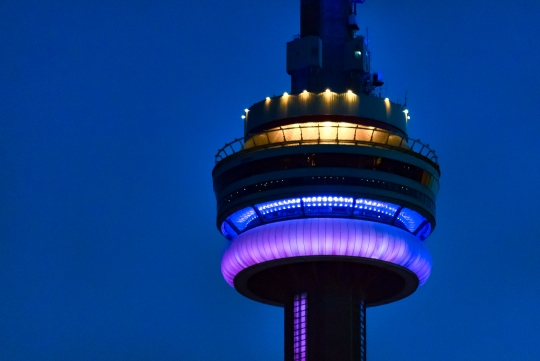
(327, 55)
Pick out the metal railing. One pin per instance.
(298, 135)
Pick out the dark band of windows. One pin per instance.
(317, 181)
(326, 160)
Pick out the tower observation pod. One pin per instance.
(326, 201)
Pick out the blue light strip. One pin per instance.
(244, 218)
(326, 206)
(282, 209)
(410, 219)
(370, 209)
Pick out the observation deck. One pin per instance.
(310, 157)
(319, 145)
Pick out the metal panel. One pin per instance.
(265, 114)
(304, 52)
(355, 57)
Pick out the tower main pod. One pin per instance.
(326, 201)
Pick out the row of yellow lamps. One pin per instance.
(328, 91)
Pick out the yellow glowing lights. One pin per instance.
(387, 106)
(327, 132)
(243, 117)
(304, 92)
(407, 117)
(328, 91)
(267, 98)
(246, 110)
(349, 92)
(285, 94)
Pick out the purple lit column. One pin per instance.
(363, 331)
(300, 319)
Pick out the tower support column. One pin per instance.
(332, 322)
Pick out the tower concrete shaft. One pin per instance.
(334, 325)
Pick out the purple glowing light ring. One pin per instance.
(326, 237)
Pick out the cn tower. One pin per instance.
(326, 201)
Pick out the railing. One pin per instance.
(298, 134)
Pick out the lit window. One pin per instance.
(244, 219)
(410, 219)
(227, 231)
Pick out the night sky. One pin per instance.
(111, 113)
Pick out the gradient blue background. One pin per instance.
(111, 113)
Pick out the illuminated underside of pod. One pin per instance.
(326, 237)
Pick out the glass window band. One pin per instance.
(326, 160)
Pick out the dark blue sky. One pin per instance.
(111, 113)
